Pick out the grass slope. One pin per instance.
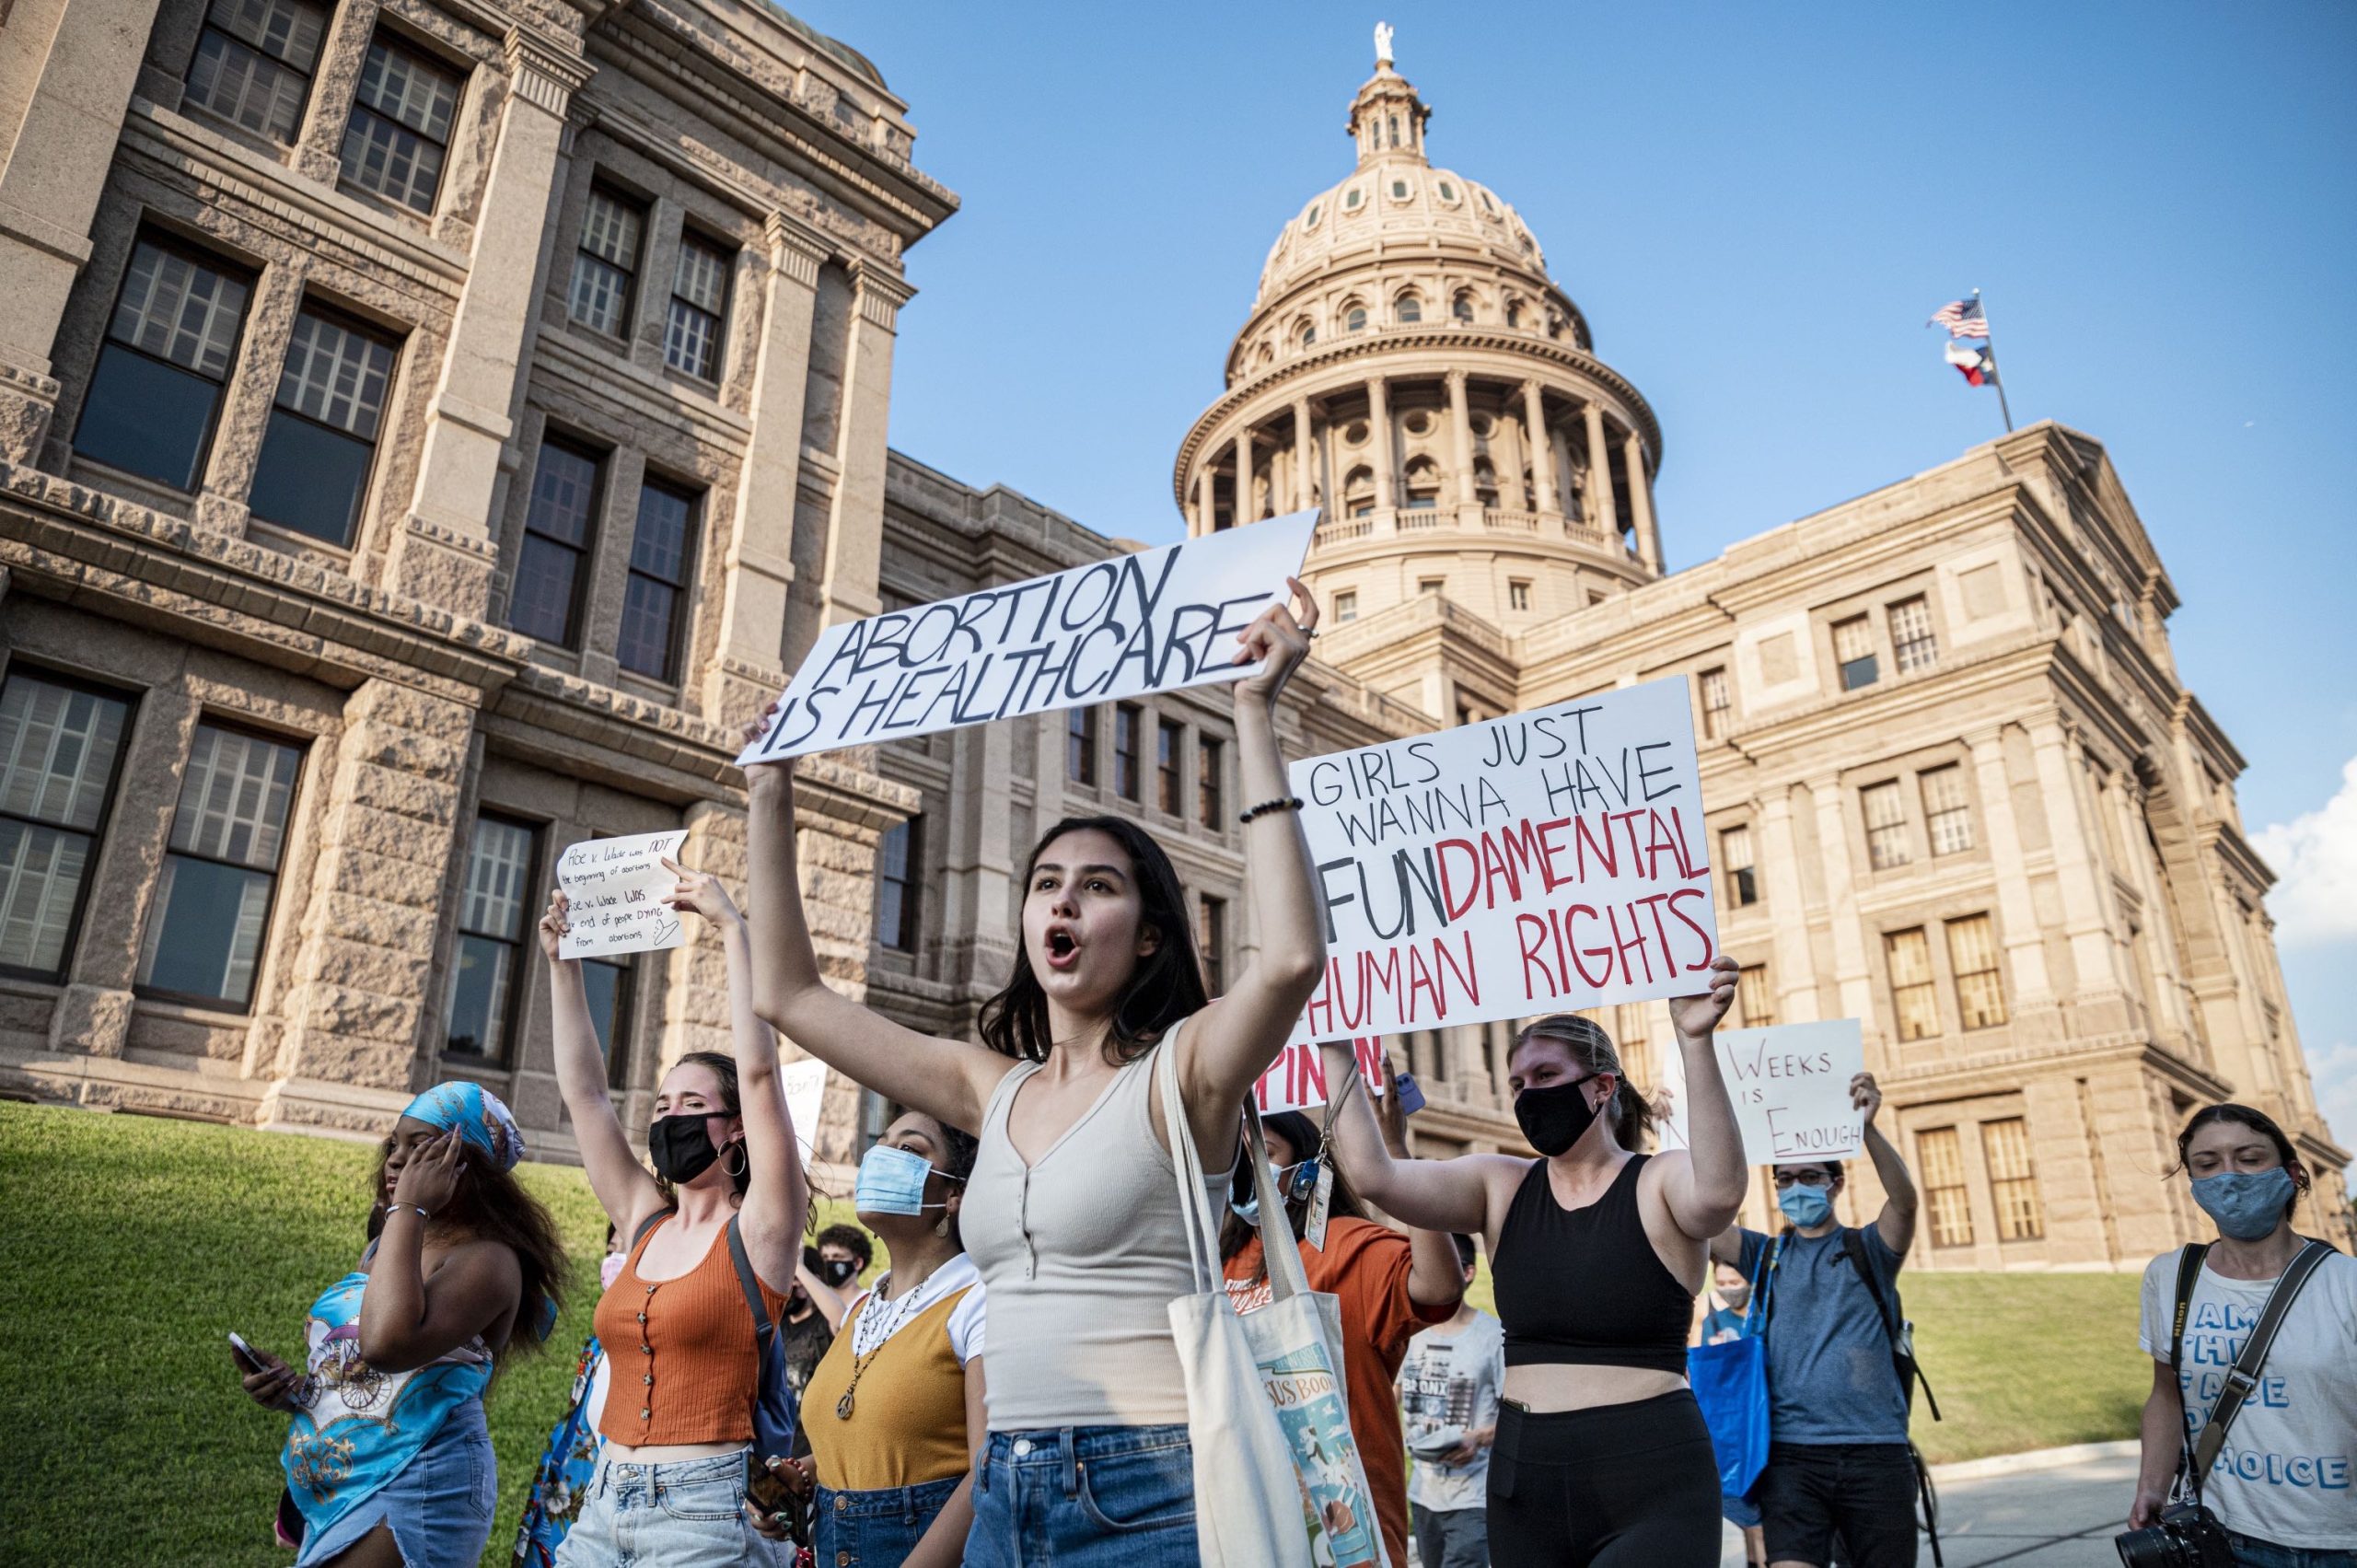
(130, 1247)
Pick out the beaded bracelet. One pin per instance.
(1290, 803)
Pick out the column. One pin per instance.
(855, 518)
(1204, 513)
(1842, 902)
(1794, 976)
(1460, 428)
(1641, 503)
(1379, 423)
(758, 543)
(2028, 985)
(446, 554)
(1603, 511)
(2095, 972)
(1245, 511)
(1304, 459)
(1542, 454)
(59, 130)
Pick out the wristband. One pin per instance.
(1288, 803)
(397, 1208)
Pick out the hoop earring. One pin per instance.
(744, 1165)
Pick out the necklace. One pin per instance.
(887, 1323)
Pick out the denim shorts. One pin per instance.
(1085, 1497)
(688, 1515)
(439, 1506)
(877, 1529)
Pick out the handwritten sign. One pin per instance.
(1791, 1088)
(1158, 621)
(1298, 1077)
(614, 891)
(1550, 860)
(805, 1084)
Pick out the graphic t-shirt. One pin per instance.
(1451, 1378)
(1829, 1377)
(1367, 1265)
(2285, 1472)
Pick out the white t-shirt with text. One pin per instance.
(1451, 1378)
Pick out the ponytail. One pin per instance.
(1630, 1112)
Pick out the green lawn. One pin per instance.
(129, 1247)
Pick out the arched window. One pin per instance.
(1308, 333)
(1358, 492)
(1266, 358)
(1462, 308)
(1409, 310)
(1311, 221)
(1513, 312)
(1485, 483)
(1395, 129)
(1424, 486)
(1354, 319)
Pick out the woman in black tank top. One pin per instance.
(1598, 1251)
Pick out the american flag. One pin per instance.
(1962, 318)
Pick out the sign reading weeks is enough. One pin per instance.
(1157, 621)
(1790, 1084)
(613, 895)
(1545, 861)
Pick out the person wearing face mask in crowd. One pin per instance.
(1731, 1300)
(2282, 1485)
(844, 1253)
(1838, 1462)
(813, 1311)
(895, 1414)
(560, 1485)
(670, 1486)
(1597, 1249)
(1390, 1283)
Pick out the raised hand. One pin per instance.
(1865, 1094)
(1695, 1016)
(554, 924)
(1279, 636)
(762, 776)
(696, 890)
(429, 1177)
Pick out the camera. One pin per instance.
(2188, 1536)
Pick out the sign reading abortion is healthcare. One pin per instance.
(1541, 861)
(1157, 621)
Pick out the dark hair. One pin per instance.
(1465, 1253)
(1632, 1119)
(732, 1103)
(2258, 1121)
(1302, 1133)
(958, 1149)
(1166, 986)
(492, 1205)
(851, 1240)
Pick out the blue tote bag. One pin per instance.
(1730, 1383)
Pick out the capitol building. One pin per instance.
(428, 428)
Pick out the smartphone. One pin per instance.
(1411, 1099)
(244, 1352)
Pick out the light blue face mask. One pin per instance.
(891, 1181)
(1806, 1207)
(1295, 1182)
(2247, 1204)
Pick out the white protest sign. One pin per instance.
(614, 892)
(805, 1084)
(1791, 1088)
(1297, 1078)
(1533, 864)
(1158, 621)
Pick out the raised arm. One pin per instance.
(779, 1195)
(949, 1080)
(1230, 1043)
(1897, 1221)
(624, 1189)
(1703, 1186)
(1434, 1276)
(409, 1319)
(1435, 1195)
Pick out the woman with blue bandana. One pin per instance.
(2282, 1483)
(387, 1460)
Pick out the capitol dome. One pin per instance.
(1394, 202)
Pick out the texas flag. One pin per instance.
(1974, 360)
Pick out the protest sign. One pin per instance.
(1298, 1079)
(1791, 1088)
(1544, 860)
(613, 891)
(805, 1084)
(1158, 621)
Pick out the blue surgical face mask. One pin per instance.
(1806, 1207)
(2247, 1204)
(891, 1181)
(1295, 1182)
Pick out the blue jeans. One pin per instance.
(686, 1514)
(1085, 1497)
(877, 1529)
(2252, 1553)
(438, 1508)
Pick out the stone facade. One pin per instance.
(288, 782)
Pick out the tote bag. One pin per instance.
(1730, 1382)
(1248, 1505)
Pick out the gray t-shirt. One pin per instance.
(1829, 1377)
(1451, 1378)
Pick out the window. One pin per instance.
(1308, 334)
(1398, 187)
(698, 305)
(662, 553)
(1168, 742)
(1351, 199)
(1461, 307)
(400, 131)
(1355, 319)
(1718, 703)
(1213, 939)
(1080, 746)
(1854, 650)
(1946, 813)
(1346, 606)
(60, 748)
(1431, 584)
(1448, 192)
(170, 345)
(1886, 826)
(493, 917)
(899, 863)
(1734, 854)
(557, 525)
(1517, 595)
(1980, 989)
(321, 442)
(1911, 642)
(1311, 221)
(1942, 1158)
(607, 982)
(1126, 720)
(1514, 313)
(1211, 757)
(1752, 995)
(605, 264)
(204, 933)
(2013, 1183)
(253, 63)
(1410, 310)
(1914, 1001)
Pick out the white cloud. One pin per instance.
(2333, 1069)
(2314, 855)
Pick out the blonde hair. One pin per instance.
(1631, 1116)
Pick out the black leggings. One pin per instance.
(1616, 1486)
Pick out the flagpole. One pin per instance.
(2003, 407)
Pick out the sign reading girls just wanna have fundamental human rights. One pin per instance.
(1157, 621)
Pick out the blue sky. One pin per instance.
(1755, 207)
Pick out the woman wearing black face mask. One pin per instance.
(670, 1485)
(1598, 1251)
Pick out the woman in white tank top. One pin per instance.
(1071, 1212)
